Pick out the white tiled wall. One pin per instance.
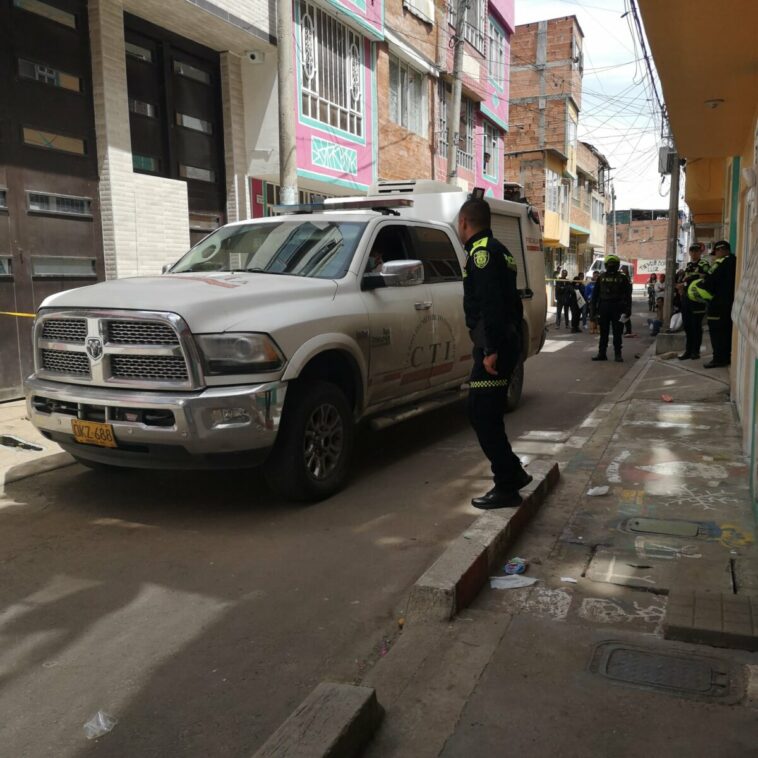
(145, 219)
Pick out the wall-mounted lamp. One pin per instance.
(714, 103)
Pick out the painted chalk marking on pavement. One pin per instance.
(613, 472)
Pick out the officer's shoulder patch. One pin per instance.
(481, 258)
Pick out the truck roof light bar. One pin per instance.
(383, 205)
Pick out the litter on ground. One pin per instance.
(515, 566)
(101, 723)
(597, 491)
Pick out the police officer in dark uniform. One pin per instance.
(611, 299)
(493, 315)
(693, 311)
(716, 290)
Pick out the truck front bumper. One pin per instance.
(219, 427)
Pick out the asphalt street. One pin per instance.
(199, 611)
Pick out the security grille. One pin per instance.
(62, 362)
(140, 333)
(165, 368)
(72, 330)
(332, 70)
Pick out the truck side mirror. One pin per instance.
(166, 268)
(395, 274)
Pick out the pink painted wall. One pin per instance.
(494, 92)
(324, 152)
(371, 12)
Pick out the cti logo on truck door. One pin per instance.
(433, 354)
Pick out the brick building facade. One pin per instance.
(642, 238)
(566, 179)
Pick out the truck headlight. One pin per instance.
(239, 353)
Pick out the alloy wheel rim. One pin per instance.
(323, 441)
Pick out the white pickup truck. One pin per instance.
(270, 339)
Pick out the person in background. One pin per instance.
(692, 311)
(651, 292)
(586, 307)
(577, 310)
(588, 290)
(563, 289)
(716, 289)
(628, 323)
(611, 299)
(660, 294)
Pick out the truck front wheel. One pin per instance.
(311, 456)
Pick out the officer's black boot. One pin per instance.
(497, 498)
(600, 357)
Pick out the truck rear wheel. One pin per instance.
(311, 456)
(515, 387)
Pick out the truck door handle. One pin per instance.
(425, 306)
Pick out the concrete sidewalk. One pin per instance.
(578, 664)
(23, 450)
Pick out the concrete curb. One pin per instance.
(634, 376)
(41, 465)
(334, 721)
(455, 578)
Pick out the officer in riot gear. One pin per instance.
(693, 311)
(494, 313)
(716, 291)
(611, 300)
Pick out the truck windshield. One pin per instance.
(318, 249)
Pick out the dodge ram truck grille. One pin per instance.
(157, 367)
(130, 349)
(140, 333)
(73, 330)
(64, 362)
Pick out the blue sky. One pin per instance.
(618, 113)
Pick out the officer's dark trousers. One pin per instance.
(609, 316)
(486, 408)
(721, 338)
(692, 319)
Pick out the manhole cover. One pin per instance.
(679, 674)
(663, 526)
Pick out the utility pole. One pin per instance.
(286, 88)
(454, 105)
(613, 217)
(668, 301)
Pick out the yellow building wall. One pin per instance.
(704, 189)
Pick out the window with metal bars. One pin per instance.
(552, 190)
(490, 150)
(496, 54)
(332, 68)
(465, 130)
(273, 197)
(473, 28)
(408, 97)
